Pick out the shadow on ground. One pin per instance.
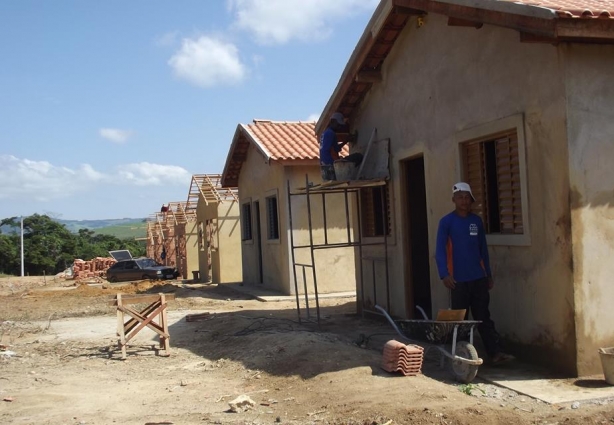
(272, 340)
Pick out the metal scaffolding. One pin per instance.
(347, 188)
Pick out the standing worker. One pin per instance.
(330, 146)
(464, 266)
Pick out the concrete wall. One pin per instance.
(334, 266)
(227, 253)
(441, 81)
(258, 181)
(590, 112)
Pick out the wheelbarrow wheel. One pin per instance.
(465, 372)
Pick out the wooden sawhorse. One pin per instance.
(141, 319)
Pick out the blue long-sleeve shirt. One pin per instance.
(461, 250)
(328, 144)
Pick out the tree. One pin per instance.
(9, 257)
(49, 247)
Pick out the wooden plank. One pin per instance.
(368, 76)
(138, 298)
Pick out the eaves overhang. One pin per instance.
(544, 22)
(237, 155)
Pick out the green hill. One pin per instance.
(120, 227)
(122, 231)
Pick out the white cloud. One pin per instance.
(279, 21)
(24, 179)
(147, 174)
(208, 62)
(115, 135)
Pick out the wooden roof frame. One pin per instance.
(208, 187)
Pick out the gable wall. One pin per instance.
(441, 80)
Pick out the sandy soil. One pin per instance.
(59, 364)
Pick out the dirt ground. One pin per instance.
(59, 364)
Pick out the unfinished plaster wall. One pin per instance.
(259, 180)
(590, 112)
(439, 81)
(334, 266)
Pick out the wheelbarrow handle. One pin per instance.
(394, 325)
(423, 313)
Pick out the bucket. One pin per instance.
(607, 362)
(344, 170)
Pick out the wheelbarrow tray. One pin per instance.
(435, 331)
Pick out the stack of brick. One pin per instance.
(96, 267)
(399, 357)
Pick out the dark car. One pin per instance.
(140, 268)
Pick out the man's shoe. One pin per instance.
(502, 358)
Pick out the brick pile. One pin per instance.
(399, 357)
(96, 267)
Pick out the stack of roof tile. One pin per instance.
(399, 357)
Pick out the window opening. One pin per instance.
(246, 222)
(272, 218)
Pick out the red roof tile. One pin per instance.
(574, 8)
(282, 140)
(277, 140)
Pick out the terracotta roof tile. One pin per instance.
(277, 141)
(574, 8)
(284, 140)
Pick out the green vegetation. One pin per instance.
(50, 247)
(468, 389)
(125, 231)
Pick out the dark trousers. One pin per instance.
(328, 172)
(474, 296)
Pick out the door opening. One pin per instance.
(417, 272)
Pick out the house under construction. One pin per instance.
(172, 238)
(218, 243)
(201, 237)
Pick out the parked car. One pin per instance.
(140, 268)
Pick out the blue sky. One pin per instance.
(108, 107)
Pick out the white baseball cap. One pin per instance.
(462, 187)
(338, 116)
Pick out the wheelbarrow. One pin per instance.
(449, 337)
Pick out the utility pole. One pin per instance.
(22, 274)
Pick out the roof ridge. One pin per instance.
(258, 121)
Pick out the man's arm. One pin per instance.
(441, 254)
